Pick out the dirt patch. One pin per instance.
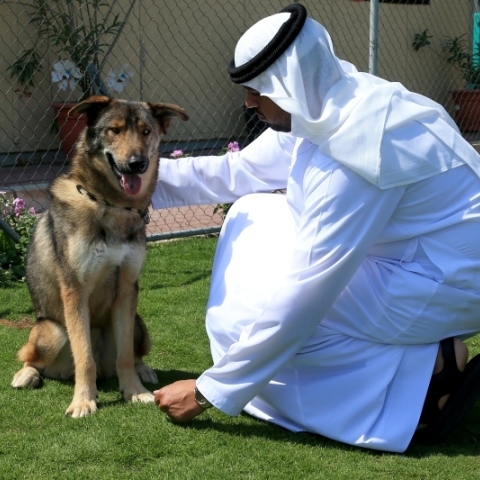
(22, 324)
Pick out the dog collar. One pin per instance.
(144, 215)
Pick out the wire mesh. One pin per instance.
(177, 51)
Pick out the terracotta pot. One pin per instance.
(69, 127)
(467, 109)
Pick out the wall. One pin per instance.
(180, 49)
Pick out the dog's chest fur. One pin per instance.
(100, 258)
(92, 247)
(107, 239)
(91, 239)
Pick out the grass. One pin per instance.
(135, 441)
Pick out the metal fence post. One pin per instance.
(373, 50)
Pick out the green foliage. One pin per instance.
(459, 55)
(74, 29)
(421, 40)
(21, 220)
(136, 441)
(222, 209)
(25, 67)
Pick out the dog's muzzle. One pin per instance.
(129, 173)
(137, 164)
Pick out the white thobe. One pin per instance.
(327, 304)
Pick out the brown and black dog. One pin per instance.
(86, 254)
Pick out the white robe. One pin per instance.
(327, 304)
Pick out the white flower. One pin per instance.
(118, 77)
(65, 73)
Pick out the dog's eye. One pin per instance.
(146, 131)
(115, 130)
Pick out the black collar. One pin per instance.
(144, 215)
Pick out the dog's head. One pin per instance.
(123, 137)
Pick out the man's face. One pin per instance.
(268, 111)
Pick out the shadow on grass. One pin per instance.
(464, 440)
(109, 385)
(5, 313)
(176, 283)
(169, 376)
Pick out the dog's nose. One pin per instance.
(138, 164)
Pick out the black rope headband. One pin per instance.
(272, 51)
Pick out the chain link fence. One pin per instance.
(177, 51)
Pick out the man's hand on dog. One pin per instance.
(177, 400)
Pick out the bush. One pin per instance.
(15, 214)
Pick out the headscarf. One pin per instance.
(347, 113)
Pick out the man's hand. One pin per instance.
(177, 400)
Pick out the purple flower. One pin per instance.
(32, 211)
(176, 153)
(233, 147)
(19, 206)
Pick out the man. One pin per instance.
(331, 306)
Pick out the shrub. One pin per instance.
(21, 219)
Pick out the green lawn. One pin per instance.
(136, 441)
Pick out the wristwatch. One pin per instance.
(201, 400)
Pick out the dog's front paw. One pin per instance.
(145, 397)
(133, 390)
(27, 377)
(81, 408)
(146, 374)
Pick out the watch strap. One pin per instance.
(201, 400)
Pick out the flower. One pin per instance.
(19, 206)
(13, 246)
(233, 147)
(80, 34)
(118, 78)
(66, 74)
(176, 153)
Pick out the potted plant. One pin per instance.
(467, 61)
(467, 100)
(80, 34)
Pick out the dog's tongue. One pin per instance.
(131, 183)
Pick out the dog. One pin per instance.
(86, 254)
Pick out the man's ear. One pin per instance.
(92, 106)
(164, 112)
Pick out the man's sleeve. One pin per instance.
(262, 166)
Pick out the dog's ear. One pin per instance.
(164, 112)
(92, 106)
